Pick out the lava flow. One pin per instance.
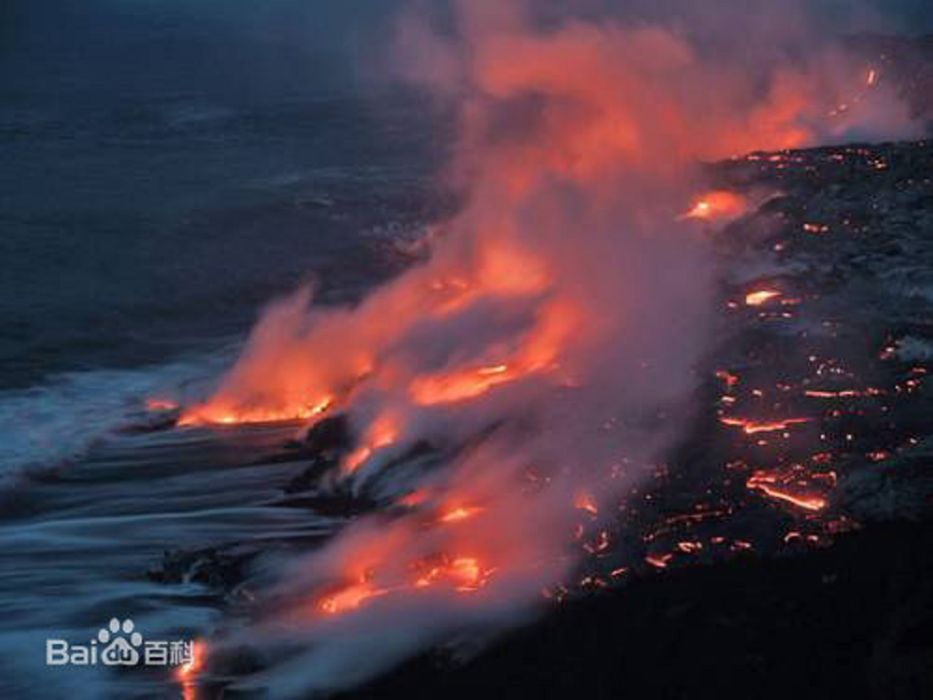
(753, 427)
(717, 206)
(774, 486)
(544, 354)
(187, 674)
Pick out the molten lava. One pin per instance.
(717, 206)
(761, 297)
(219, 414)
(460, 385)
(350, 598)
(188, 673)
(459, 514)
(584, 501)
(383, 432)
(556, 320)
(462, 574)
(774, 487)
(752, 427)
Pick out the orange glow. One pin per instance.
(459, 385)
(355, 459)
(188, 673)
(842, 394)
(716, 206)
(161, 405)
(585, 502)
(751, 427)
(659, 561)
(729, 378)
(217, 414)
(415, 498)
(382, 433)
(816, 229)
(350, 598)
(538, 355)
(770, 485)
(622, 105)
(462, 574)
(761, 297)
(547, 334)
(465, 574)
(459, 514)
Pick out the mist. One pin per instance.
(547, 350)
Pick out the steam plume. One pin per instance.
(547, 348)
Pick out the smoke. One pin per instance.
(510, 390)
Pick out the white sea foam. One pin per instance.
(47, 424)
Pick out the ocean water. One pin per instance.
(142, 237)
(166, 172)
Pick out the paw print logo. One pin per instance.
(122, 643)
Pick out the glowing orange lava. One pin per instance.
(350, 598)
(382, 433)
(217, 414)
(462, 574)
(751, 427)
(459, 385)
(187, 674)
(717, 205)
(560, 293)
(761, 297)
(585, 502)
(459, 514)
(842, 393)
(415, 498)
(771, 486)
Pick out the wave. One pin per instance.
(52, 423)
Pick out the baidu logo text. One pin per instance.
(119, 644)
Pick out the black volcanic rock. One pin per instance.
(780, 601)
(332, 434)
(852, 621)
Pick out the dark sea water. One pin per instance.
(164, 174)
(166, 171)
(147, 232)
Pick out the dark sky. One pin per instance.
(274, 48)
(259, 48)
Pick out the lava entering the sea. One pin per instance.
(545, 353)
